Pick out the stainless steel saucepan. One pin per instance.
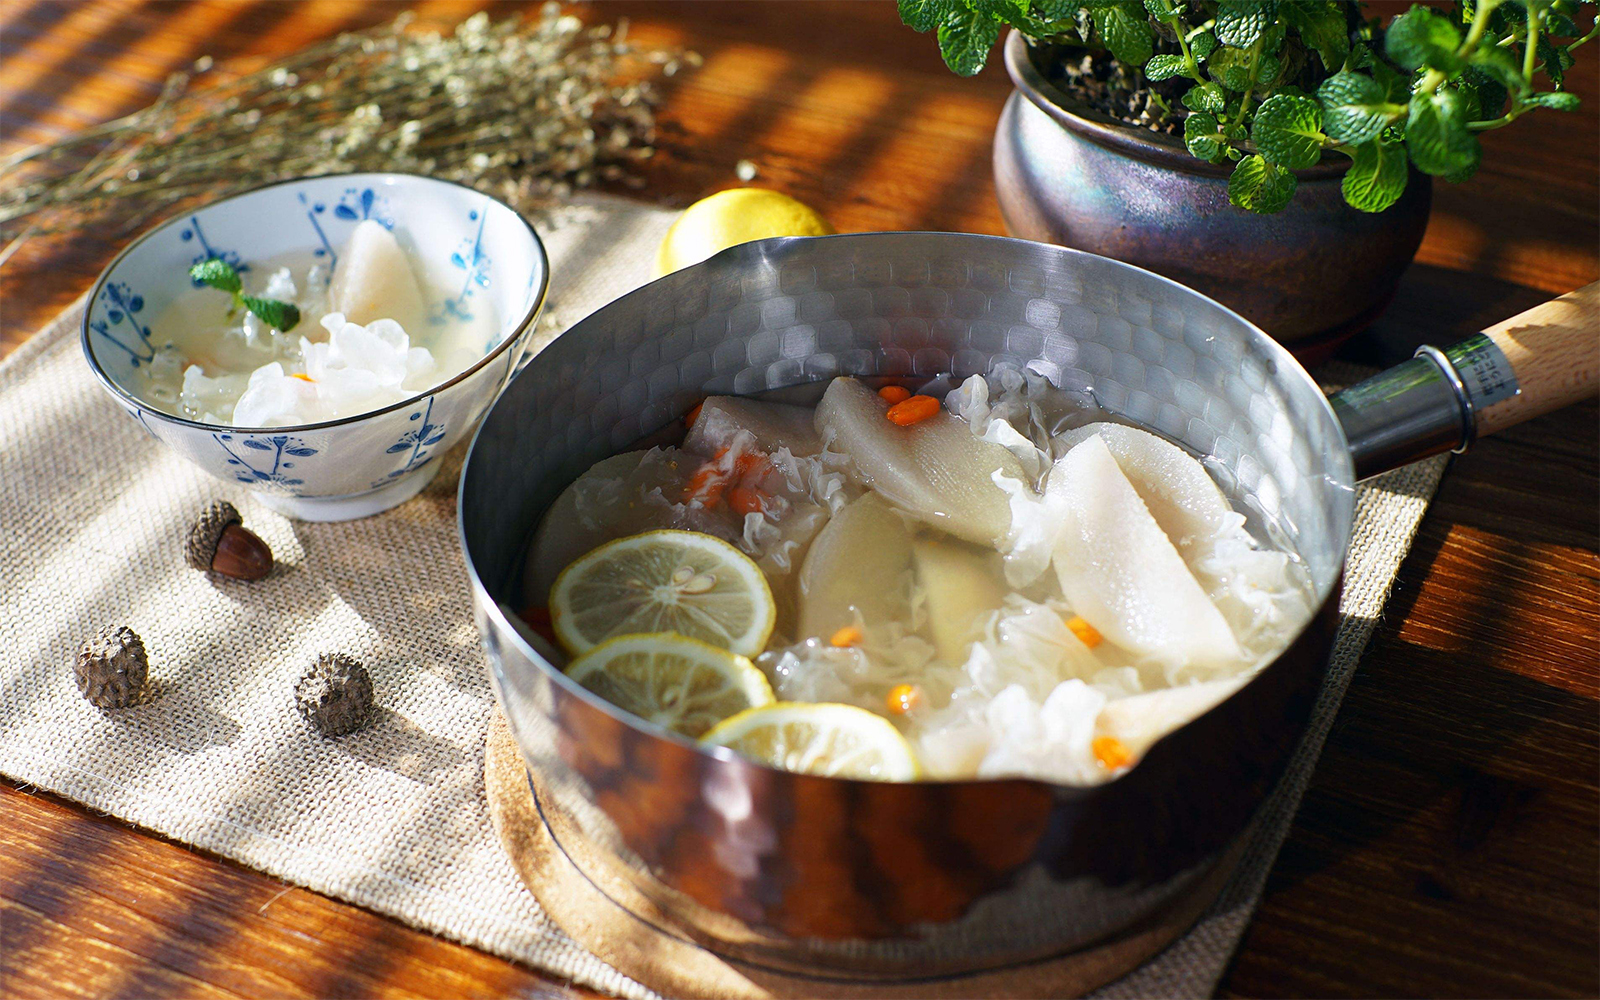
(852, 882)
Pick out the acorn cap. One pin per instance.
(201, 545)
(335, 695)
(111, 667)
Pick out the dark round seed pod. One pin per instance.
(219, 542)
(111, 668)
(335, 695)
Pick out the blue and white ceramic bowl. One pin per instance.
(358, 465)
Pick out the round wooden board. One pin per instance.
(679, 968)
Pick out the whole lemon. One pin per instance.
(731, 217)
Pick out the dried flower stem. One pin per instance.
(524, 109)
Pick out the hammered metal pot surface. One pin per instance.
(853, 879)
(1310, 275)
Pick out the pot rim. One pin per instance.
(498, 616)
(1103, 130)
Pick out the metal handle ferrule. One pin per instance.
(1409, 412)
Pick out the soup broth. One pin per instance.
(367, 338)
(1017, 583)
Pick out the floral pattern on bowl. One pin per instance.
(357, 465)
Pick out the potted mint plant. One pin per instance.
(1275, 154)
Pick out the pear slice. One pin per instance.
(775, 425)
(1141, 719)
(936, 470)
(1183, 498)
(856, 565)
(374, 280)
(1120, 572)
(962, 584)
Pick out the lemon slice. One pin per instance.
(664, 581)
(839, 741)
(682, 684)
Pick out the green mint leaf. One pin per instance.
(1471, 102)
(1160, 8)
(1504, 19)
(1125, 28)
(1268, 69)
(1322, 28)
(1556, 60)
(1231, 68)
(1558, 24)
(1202, 45)
(1437, 136)
(1272, 38)
(217, 273)
(1491, 94)
(965, 38)
(1560, 100)
(1207, 97)
(1258, 186)
(1203, 137)
(1354, 109)
(1377, 177)
(1499, 64)
(1012, 12)
(1396, 88)
(923, 15)
(1288, 131)
(1163, 67)
(1057, 10)
(1241, 22)
(278, 315)
(1421, 37)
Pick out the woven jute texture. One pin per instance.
(92, 519)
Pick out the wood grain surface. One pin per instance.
(1450, 842)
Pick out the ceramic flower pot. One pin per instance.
(1311, 275)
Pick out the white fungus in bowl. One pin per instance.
(367, 338)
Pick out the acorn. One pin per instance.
(335, 695)
(219, 542)
(111, 667)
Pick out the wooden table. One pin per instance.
(1448, 845)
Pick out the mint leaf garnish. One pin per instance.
(278, 315)
(217, 273)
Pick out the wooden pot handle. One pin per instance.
(1554, 352)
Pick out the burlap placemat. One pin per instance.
(92, 516)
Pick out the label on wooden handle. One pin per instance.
(1485, 371)
(1553, 350)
